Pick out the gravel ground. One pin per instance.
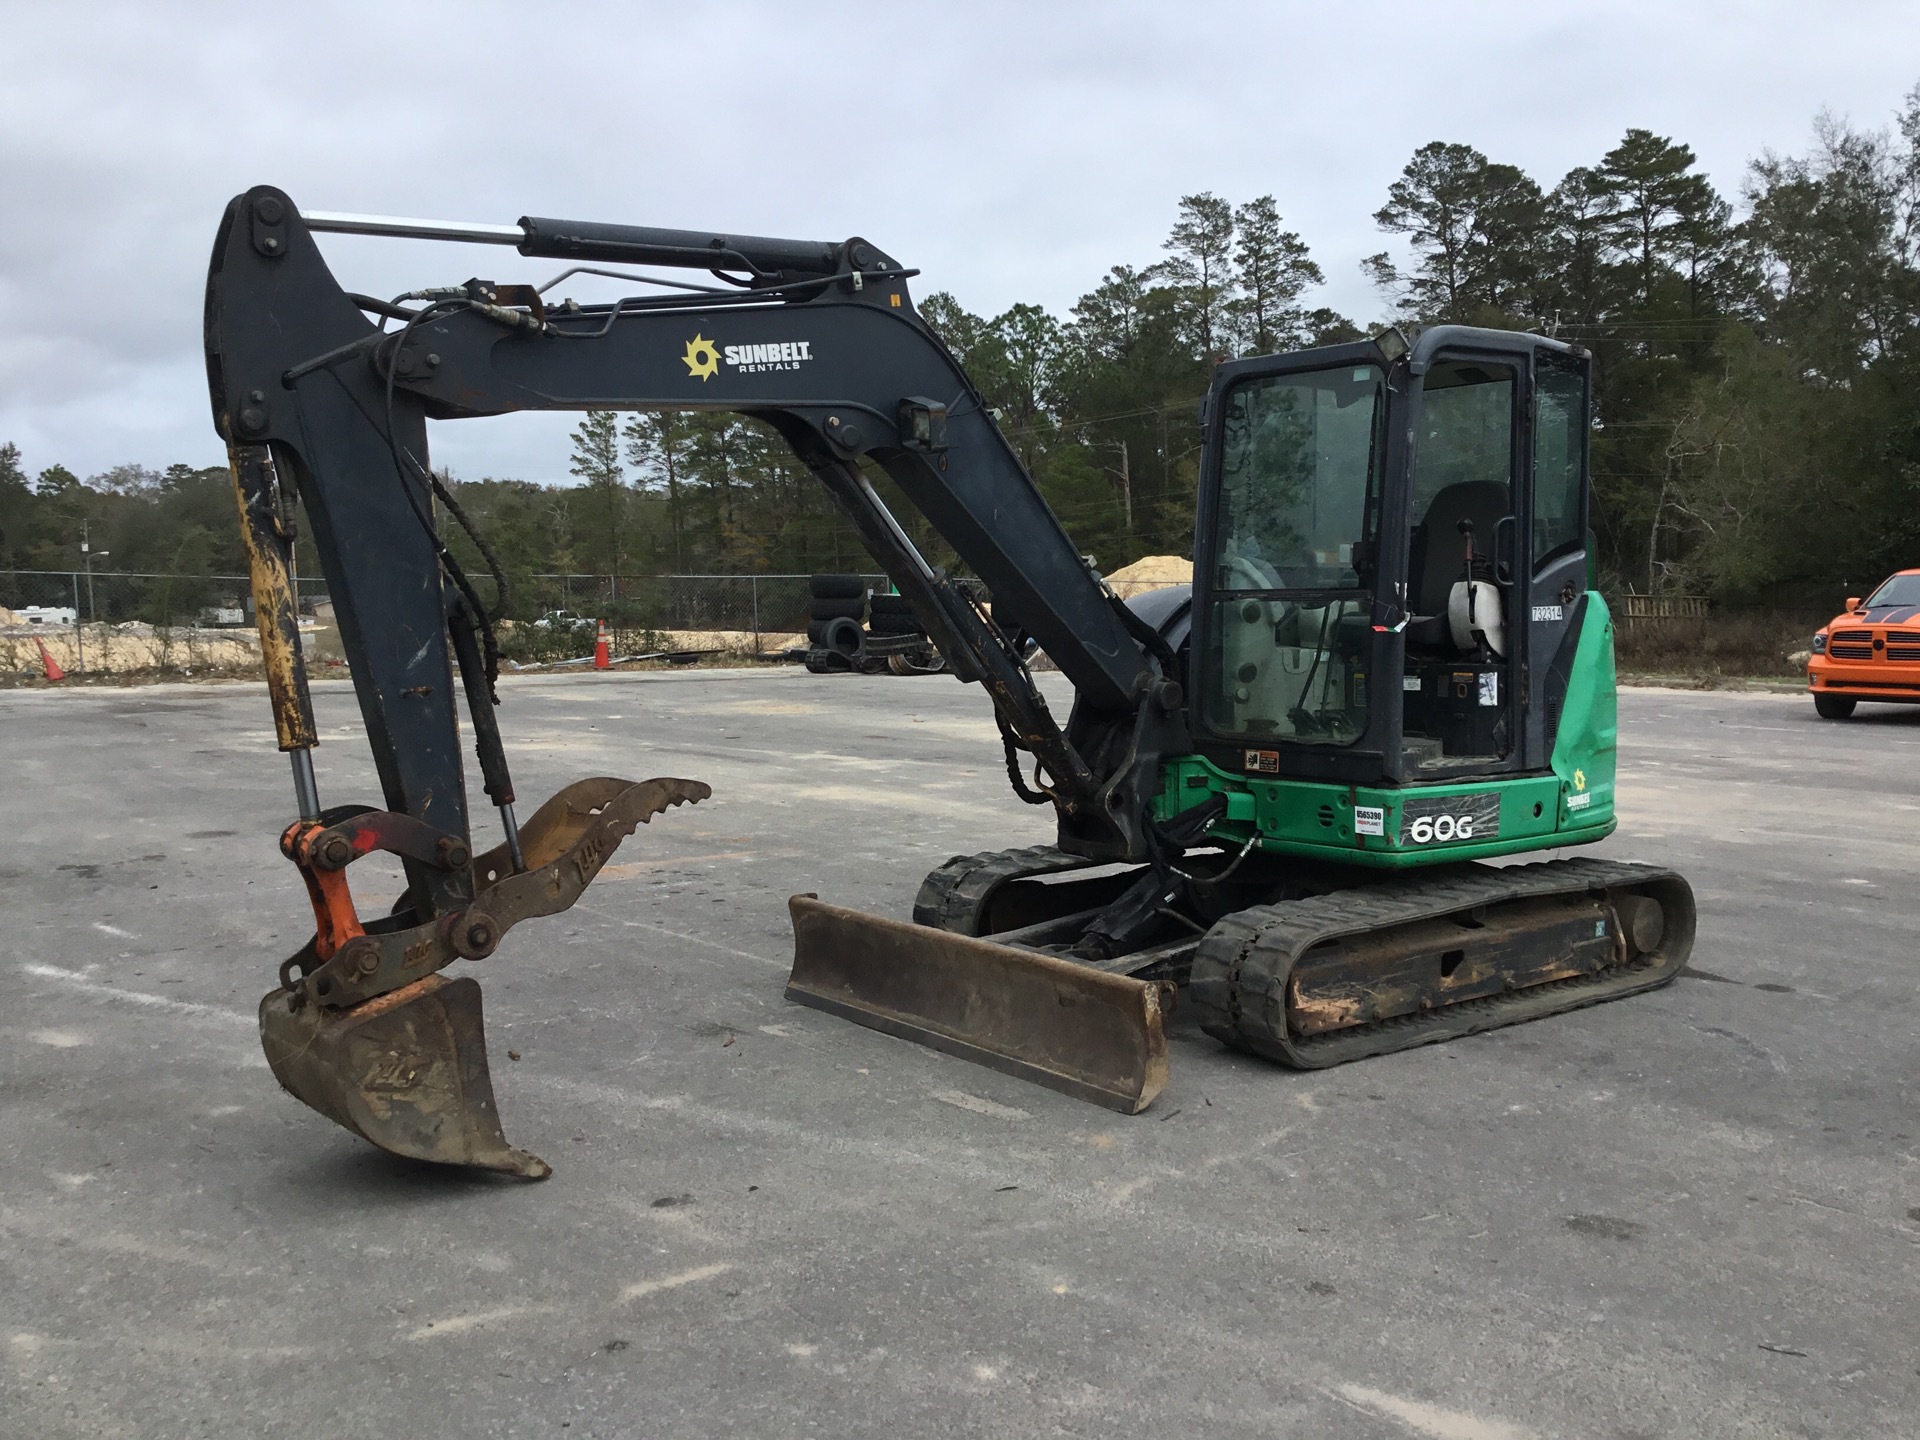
(1693, 1213)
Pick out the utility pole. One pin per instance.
(87, 563)
(1125, 472)
(86, 558)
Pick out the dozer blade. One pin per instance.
(406, 1070)
(1093, 1035)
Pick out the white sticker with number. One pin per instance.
(1450, 819)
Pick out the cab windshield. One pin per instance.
(1299, 480)
(1293, 553)
(1900, 590)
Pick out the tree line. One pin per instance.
(1756, 424)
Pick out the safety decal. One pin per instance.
(1489, 687)
(1263, 762)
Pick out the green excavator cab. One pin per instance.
(1391, 608)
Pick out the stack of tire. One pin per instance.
(890, 616)
(835, 639)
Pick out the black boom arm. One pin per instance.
(820, 341)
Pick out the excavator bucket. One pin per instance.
(406, 1067)
(1073, 1028)
(406, 1070)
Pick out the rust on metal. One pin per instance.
(1088, 1033)
(565, 843)
(407, 1071)
(1381, 975)
(268, 535)
(364, 1031)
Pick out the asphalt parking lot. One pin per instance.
(1693, 1213)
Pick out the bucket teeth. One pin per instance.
(605, 809)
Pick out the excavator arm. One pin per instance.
(325, 395)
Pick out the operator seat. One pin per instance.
(1434, 558)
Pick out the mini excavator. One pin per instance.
(1282, 794)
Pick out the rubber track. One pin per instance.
(1240, 971)
(953, 897)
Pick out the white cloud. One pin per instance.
(1011, 151)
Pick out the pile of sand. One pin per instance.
(1150, 572)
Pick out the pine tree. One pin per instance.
(16, 508)
(596, 460)
(1271, 268)
(1476, 228)
(1658, 208)
(657, 448)
(1201, 268)
(1107, 320)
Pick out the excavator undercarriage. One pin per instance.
(1310, 968)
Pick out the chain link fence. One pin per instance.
(136, 625)
(147, 625)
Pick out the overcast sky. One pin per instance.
(1011, 151)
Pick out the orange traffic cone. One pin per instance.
(54, 672)
(601, 659)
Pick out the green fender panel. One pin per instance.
(1585, 748)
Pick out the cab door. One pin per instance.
(1464, 692)
(1557, 537)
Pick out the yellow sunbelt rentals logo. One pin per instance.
(1579, 799)
(703, 358)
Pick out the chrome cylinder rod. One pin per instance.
(512, 827)
(306, 792)
(337, 223)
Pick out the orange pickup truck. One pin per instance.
(1872, 652)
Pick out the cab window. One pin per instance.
(1559, 448)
